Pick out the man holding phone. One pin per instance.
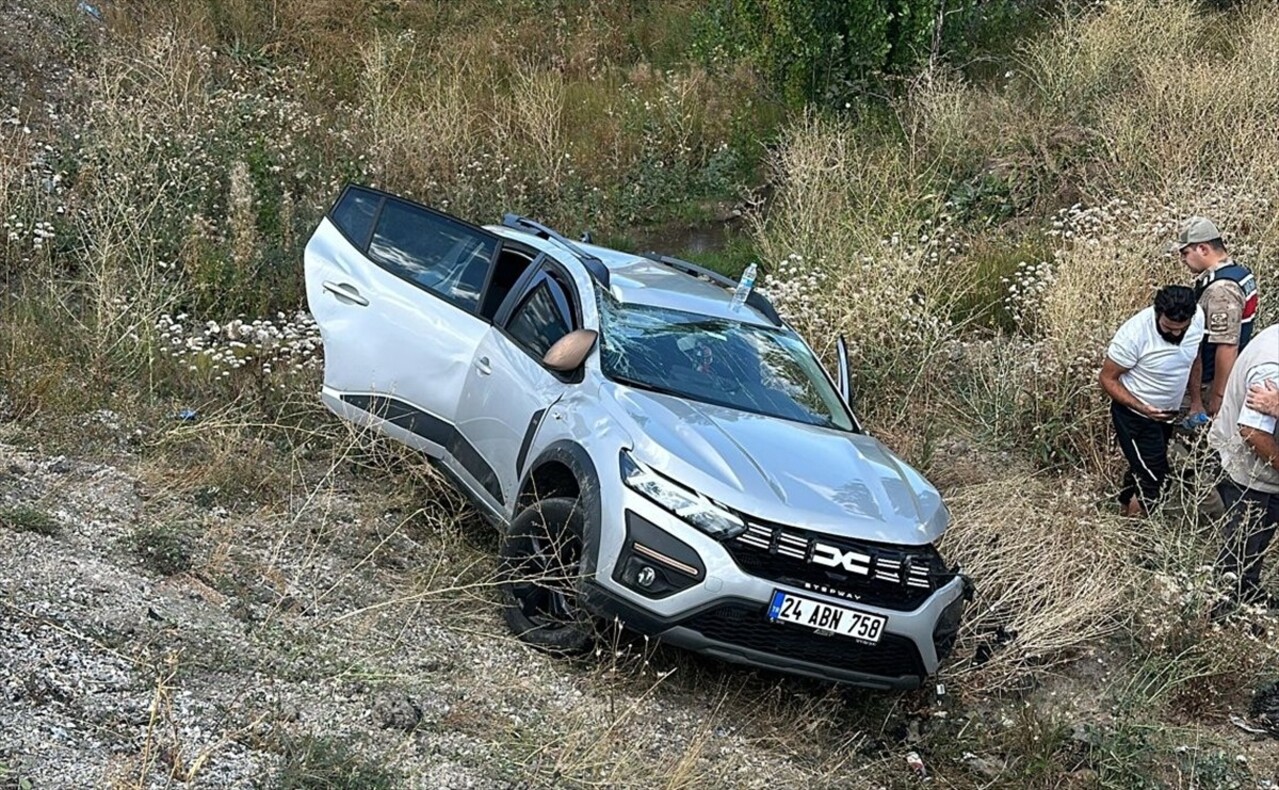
(1145, 373)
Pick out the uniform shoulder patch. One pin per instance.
(1218, 322)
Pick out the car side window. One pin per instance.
(542, 318)
(434, 252)
(354, 213)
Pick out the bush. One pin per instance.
(827, 52)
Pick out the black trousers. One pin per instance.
(1144, 443)
(1250, 525)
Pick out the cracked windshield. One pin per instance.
(712, 360)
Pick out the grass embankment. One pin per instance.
(980, 259)
(979, 251)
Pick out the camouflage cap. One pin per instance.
(1195, 230)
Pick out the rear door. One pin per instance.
(395, 288)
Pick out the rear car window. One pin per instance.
(432, 251)
(354, 214)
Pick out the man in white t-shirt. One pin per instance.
(1245, 437)
(1145, 373)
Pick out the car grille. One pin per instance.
(889, 576)
(748, 626)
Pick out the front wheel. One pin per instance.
(540, 569)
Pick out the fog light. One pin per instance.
(646, 576)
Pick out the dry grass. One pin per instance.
(13, 158)
(839, 195)
(1052, 572)
(488, 124)
(1120, 99)
(206, 154)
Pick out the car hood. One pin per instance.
(784, 471)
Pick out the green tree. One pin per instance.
(825, 51)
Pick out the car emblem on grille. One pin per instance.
(833, 557)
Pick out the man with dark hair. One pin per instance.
(1145, 372)
(1227, 292)
(1245, 437)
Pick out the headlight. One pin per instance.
(709, 517)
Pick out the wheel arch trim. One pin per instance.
(579, 463)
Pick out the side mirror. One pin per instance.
(569, 352)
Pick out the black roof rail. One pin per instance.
(754, 299)
(593, 264)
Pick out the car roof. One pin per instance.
(639, 279)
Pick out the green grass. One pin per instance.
(163, 549)
(731, 259)
(992, 263)
(330, 763)
(11, 779)
(25, 518)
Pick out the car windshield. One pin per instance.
(727, 363)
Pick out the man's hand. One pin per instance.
(1214, 404)
(1154, 412)
(1264, 398)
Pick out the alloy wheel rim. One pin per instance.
(545, 589)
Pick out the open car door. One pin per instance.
(396, 290)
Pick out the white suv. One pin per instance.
(652, 452)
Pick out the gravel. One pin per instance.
(284, 635)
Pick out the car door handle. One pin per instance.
(482, 365)
(345, 292)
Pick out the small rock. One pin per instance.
(985, 767)
(1265, 707)
(1084, 734)
(107, 418)
(913, 732)
(396, 710)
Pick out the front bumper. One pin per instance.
(738, 631)
(714, 606)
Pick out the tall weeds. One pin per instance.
(1050, 193)
(481, 133)
(1119, 99)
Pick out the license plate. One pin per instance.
(825, 618)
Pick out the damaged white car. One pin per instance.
(653, 451)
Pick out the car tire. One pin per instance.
(539, 577)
